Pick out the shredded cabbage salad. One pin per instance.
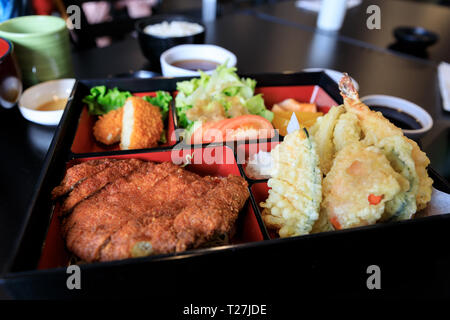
(218, 87)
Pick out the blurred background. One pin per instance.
(104, 22)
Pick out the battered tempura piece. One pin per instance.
(108, 127)
(142, 125)
(155, 208)
(358, 186)
(322, 133)
(375, 127)
(399, 153)
(294, 199)
(346, 131)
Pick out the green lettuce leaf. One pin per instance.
(255, 105)
(161, 100)
(102, 100)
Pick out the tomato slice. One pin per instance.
(247, 126)
(203, 135)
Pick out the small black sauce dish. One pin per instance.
(416, 38)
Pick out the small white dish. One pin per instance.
(403, 106)
(194, 52)
(333, 74)
(37, 95)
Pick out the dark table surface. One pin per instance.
(261, 46)
(394, 13)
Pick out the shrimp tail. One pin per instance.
(351, 97)
(348, 90)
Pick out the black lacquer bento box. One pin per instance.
(255, 261)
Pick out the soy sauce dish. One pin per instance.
(412, 119)
(187, 59)
(45, 102)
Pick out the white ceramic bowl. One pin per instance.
(197, 52)
(422, 116)
(41, 93)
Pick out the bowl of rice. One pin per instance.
(161, 32)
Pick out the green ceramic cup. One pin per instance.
(42, 47)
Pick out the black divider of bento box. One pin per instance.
(193, 269)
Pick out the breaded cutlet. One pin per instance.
(80, 172)
(156, 208)
(98, 180)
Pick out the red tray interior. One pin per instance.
(309, 94)
(84, 141)
(260, 192)
(54, 253)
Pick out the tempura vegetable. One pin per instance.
(358, 186)
(398, 152)
(294, 199)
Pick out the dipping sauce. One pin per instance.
(196, 64)
(399, 118)
(53, 105)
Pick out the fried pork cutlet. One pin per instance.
(79, 173)
(108, 127)
(97, 181)
(153, 209)
(142, 124)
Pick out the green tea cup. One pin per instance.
(42, 47)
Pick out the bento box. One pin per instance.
(39, 265)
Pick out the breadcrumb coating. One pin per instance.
(137, 208)
(108, 127)
(142, 125)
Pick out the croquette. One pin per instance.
(108, 127)
(142, 125)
